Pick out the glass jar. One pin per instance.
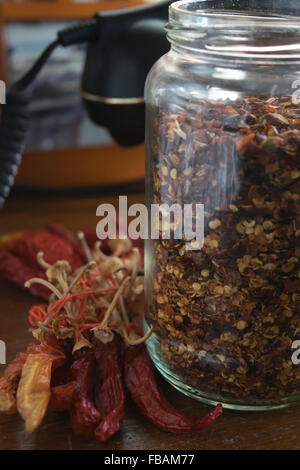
(223, 130)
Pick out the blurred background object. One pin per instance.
(64, 149)
(58, 118)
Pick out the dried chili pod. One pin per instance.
(91, 238)
(16, 365)
(8, 387)
(33, 392)
(140, 381)
(54, 248)
(13, 269)
(109, 391)
(18, 263)
(62, 397)
(7, 240)
(84, 415)
(68, 236)
(9, 381)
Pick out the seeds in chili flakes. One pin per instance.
(226, 316)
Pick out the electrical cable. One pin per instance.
(15, 117)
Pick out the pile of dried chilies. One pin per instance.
(88, 338)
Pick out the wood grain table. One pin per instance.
(234, 430)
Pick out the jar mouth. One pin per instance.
(250, 28)
(270, 10)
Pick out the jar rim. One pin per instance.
(245, 29)
(226, 10)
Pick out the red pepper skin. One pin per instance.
(13, 269)
(109, 391)
(62, 397)
(91, 237)
(18, 263)
(62, 388)
(50, 346)
(54, 248)
(140, 381)
(13, 371)
(84, 415)
(68, 236)
(16, 365)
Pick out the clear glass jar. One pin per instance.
(223, 130)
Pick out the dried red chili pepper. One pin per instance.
(62, 388)
(8, 239)
(9, 382)
(68, 236)
(18, 263)
(16, 365)
(84, 415)
(91, 238)
(11, 376)
(13, 269)
(109, 391)
(62, 397)
(54, 248)
(140, 381)
(33, 394)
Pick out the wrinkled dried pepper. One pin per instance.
(140, 381)
(54, 248)
(84, 415)
(7, 240)
(33, 392)
(16, 365)
(62, 397)
(68, 236)
(8, 387)
(13, 269)
(18, 259)
(109, 391)
(9, 383)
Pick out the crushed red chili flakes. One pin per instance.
(225, 316)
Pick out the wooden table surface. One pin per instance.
(234, 430)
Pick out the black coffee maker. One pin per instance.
(122, 47)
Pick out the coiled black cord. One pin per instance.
(29, 76)
(15, 117)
